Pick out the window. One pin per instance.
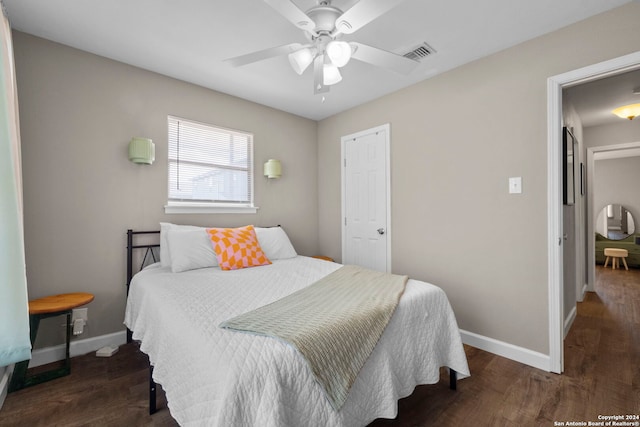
(210, 168)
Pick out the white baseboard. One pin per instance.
(585, 288)
(510, 351)
(53, 354)
(42, 356)
(4, 384)
(569, 320)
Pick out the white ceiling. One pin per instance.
(595, 100)
(189, 40)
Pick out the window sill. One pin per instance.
(205, 208)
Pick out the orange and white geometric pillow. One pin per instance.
(237, 248)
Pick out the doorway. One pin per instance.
(610, 152)
(366, 207)
(555, 231)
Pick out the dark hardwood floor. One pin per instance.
(602, 377)
(602, 372)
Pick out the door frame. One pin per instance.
(343, 159)
(591, 212)
(555, 84)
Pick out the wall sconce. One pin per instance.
(272, 168)
(142, 150)
(627, 111)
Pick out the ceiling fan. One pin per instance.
(324, 26)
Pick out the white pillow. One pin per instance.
(190, 249)
(165, 253)
(275, 243)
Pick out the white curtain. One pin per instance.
(14, 310)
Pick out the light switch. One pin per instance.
(515, 185)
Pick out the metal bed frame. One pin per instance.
(453, 375)
(148, 251)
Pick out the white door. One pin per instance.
(365, 199)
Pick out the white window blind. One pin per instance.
(209, 165)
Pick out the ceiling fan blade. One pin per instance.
(318, 76)
(362, 13)
(263, 54)
(382, 58)
(293, 14)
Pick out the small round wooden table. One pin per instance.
(616, 254)
(41, 308)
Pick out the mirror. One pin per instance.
(615, 222)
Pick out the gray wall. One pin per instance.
(78, 111)
(455, 140)
(623, 132)
(615, 181)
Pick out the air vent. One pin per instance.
(419, 53)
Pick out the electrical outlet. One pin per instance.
(78, 326)
(79, 318)
(80, 313)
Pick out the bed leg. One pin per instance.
(152, 392)
(453, 376)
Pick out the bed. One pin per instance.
(218, 377)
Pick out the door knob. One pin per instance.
(381, 231)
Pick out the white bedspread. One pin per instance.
(217, 377)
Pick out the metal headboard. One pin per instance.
(130, 247)
(148, 253)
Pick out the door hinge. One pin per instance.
(345, 220)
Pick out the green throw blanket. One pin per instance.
(335, 323)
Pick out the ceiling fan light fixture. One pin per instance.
(331, 74)
(301, 59)
(627, 111)
(339, 52)
(323, 26)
